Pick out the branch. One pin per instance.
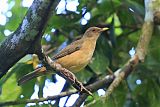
(141, 50)
(18, 102)
(27, 36)
(156, 18)
(102, 83)
(68, 75)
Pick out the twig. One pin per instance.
(104, 82)
(68, 75)
(26, 38)
(93, 87)
(121, 74)
(50, 51)
(109, 70)
(141, 51)
(18, 102)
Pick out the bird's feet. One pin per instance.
(68, 75)
(82, 88)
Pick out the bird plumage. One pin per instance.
(75, 56)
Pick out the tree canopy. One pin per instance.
(125, 65)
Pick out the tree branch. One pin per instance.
(18, 102)
(68, 75)
(141, 51)
(27, 36)
(156, 13)
(22, 39)
(102, 83)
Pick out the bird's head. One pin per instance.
(94, 32)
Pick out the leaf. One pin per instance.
(10, 90)
(101, 61)
(83, 76)
(18, 14)
(62, 21)
(117, 99)
(35, 60)
(27, 89)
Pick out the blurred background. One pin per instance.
(114, 47)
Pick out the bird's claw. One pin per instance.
(82, 88)
(69, 75)
(73, 78)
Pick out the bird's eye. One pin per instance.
(93, 30)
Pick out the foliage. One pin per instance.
(124, 19)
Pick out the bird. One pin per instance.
(73, 57)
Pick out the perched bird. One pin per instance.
(74, 57)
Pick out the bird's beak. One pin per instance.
(104, 29)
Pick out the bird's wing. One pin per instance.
(73, 47)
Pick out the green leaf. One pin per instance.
(63, 21)
(117, 99)
(17, 16)
(28, 88)
(10, 90)
(100, 61)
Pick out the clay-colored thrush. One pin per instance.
(75, 56)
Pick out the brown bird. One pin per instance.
(74, 57)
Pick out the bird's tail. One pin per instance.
(36, 73)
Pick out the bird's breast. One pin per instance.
(77, 60)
